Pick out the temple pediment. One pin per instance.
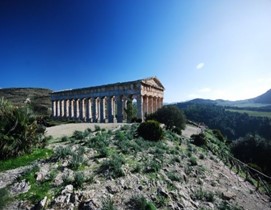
(154, 82)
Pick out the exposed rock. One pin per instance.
(40, 205)
(43, 202)
(140, 187)
(66, 174)
(89, 205)
(43, 172)
(74, 198)
(58, 179)
(68, 189)
(228, 195)
(112, 189)
(62, 199)
(9, 176)
(162, 192)
(20, 187)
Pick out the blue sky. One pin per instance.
(197, 48)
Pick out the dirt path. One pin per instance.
(68, 129)
(190, 130)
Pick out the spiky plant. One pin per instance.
(19, 131)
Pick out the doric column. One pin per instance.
(60, 108)
(68, 108)
(81, 108)
(87, 109)
(90, 109)
(64, 114)
(94, 111)
(114, 107)
(146, 105)
(109, 109)
(150, 104)
(71, 108)
(140, 107)
(155, 104)
(53, 108)
(102, 109)
(75, 109)
(120, 109)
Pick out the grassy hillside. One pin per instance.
(39, 98)
(114, 169)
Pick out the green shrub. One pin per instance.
(62, 152)
(173, 176)
(77, 161)
(103, 152)
(79, 135)
(150, 130)
(120, 135)
(101, 140)
(97, 128)
(153, 165)
(224, 205)
(177, 130)
(108, 204)
(112, 167)
(201, 156)
(140, 203)
(64, 139)
(199, 140)
(203, 196)
(218, 135)
(19, 131)
(193, 161)
(78, 179)
(4, 197)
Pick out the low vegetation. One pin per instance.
(26, 159)
(19, 131)
(145, 165)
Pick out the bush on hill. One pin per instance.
(150, 130)
(199, 140)
(218, 135)
(170, 115)
(19, 131)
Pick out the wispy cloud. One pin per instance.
(200, 65)
(205, 90)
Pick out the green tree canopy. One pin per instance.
(169, 115)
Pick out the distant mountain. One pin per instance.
(39, 97)
(263, 100)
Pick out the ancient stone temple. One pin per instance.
(107, 103)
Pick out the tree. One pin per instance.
(169, 115)
(253, 149)
(130, 111)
